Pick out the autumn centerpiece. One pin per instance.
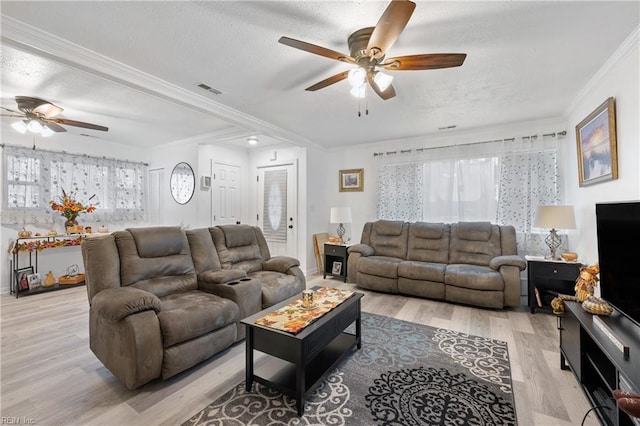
(69, 207)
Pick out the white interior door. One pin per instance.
(278, 207)
(226, 194)
(156, 183)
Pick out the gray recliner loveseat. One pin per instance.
(474, 263)
(161, 301)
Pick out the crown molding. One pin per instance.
(27, 38)
(629, 46)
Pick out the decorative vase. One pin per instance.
(71, 224)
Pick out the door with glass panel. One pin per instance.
(277, 207)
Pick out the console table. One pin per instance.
(597, 362)
(32, 247)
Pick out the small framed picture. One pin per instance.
(34, 280)
(351, 180)
(22, 281)
(337, 268)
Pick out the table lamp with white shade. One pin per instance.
(340, 215)
(555, 217)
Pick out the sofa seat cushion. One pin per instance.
(380, 266)
(422, 271)
(473, 277)
(277, 286)
(185, 316)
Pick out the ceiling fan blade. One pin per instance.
(54, 126)
(39, 106)
(12, 111)
(318, 50)
(389, 93)
(77, 124)
(388, 29)
(424, 62)
(328, 81)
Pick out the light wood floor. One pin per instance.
(48, 375)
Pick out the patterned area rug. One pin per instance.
(405, 374)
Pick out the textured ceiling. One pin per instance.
(134, 66)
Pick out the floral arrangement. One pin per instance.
(69, 206)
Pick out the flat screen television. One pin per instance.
(618, 230)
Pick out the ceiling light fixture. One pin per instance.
(358, 92)
(356, 77)
(46, 131)
(34, 126)
(382, 80)
(20, 126)
(252, 140)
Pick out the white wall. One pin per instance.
(166, 158)
(321, 182)
(618, 78)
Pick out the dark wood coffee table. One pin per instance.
(299, 362)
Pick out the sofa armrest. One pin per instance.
(220, 276)
(509, 260)
(363, 249)
(114, 304)
(280, 264)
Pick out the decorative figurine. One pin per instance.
(49, 280)
(587, 281)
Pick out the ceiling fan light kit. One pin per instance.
(368, 48)
(38, 116)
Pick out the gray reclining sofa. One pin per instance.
(474, 263)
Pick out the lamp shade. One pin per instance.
(555, 217)
(340, 215)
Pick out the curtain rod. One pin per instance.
(532, 137)
(34, 148)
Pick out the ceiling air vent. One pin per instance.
(447, 127)
(209, 89)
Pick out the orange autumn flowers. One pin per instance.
(69, 206)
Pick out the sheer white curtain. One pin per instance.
(529, 177)
(34, 177)
(500, 182)
(400, 191)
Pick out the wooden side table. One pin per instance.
(335, 260)
(549, 277)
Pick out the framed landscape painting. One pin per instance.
(597, 147)
(351, 180)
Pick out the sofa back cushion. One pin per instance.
(474, 243)
(101, 264)
(237, 247)
(203, 251)
(428, 242)
(389, 238)
(156, 259)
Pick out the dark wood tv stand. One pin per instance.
(598, 364)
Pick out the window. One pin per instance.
(499, 182)
(36, 176)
